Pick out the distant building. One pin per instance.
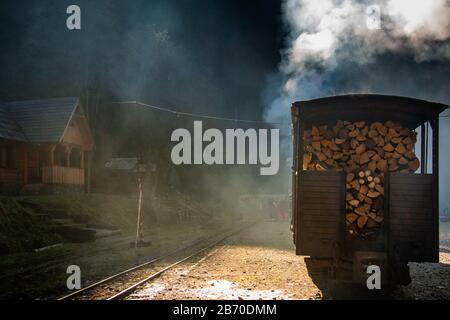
(42, 145)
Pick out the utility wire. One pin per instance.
(205, 116)
(197, 115)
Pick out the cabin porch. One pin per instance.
(54, 164)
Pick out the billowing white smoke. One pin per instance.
(327, 34)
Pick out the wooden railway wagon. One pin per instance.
(342, 240)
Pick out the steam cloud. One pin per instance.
(324, 36)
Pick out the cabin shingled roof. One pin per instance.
(36, 121)
(8, 127)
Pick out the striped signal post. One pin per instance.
(139, 241)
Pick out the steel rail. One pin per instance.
(130, 289)
(133, 287)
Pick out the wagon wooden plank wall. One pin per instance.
(361, 187)
(321, 197)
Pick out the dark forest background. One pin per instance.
(209, 57)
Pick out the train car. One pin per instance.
(364, 190)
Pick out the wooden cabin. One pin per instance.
(43, 145)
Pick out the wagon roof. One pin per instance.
(368, 107)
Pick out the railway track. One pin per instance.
(61, 259)
(122, 284)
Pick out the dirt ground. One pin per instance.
(260, 264)
(431, 280)
(257, 264)
(42, 275)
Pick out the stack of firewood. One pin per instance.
(365, 152)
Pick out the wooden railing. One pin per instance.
(65, 175)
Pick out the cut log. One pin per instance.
(307, 158)
(388, 148)
(379, 218)
(314, 131)
(382, 165)
(400, 148)
(379, 188)
(354, 133)
(364, 189)
(375, 125)
(338, 155)
(372, 133)
(382, 130)
(393, 166)
(403, 161)
(389, 124)
(320, 156)
(393, 133)
(372, 165)
(371, 224)
(362, 220)
(350, 177)
(360, 124)
(360, 137)
(405, 132)
(414, 165)
(333, 146)
(378, 204)
(355, 185)
(351, 217)
(349, 195)
(372, 215)
(354, 143)
(343, 134)
(364, 158)
(361, 148)
(373, 194)
(327, 152)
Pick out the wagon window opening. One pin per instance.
(424, 148)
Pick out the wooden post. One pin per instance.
(25, 164)
(81, 158)
(423, 152)
(298, 171)
(52, 155)
(38, 162)
(139, 227)
(435, 145)
(68, 152)
(88, 172)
